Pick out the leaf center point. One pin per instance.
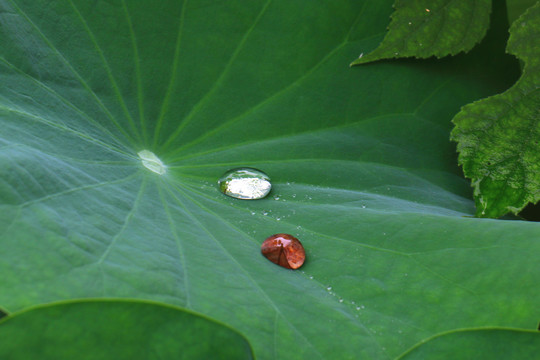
(152, 162)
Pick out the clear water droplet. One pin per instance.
(276, 197)
(410, 23)
(340, 300)
(363, 206)
(152, 162)
(329, 288)
(358, 308)
(310, 277)
(245, 183)
(265, 213)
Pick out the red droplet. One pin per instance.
(284, 250)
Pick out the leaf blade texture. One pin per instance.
(479, 343)
(498, 136)
(117, 329)
(423, 29)
(362, 170)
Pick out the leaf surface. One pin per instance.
(426, 28)
(498, 137)
(116, 329)
(479, 344)
(362, 169)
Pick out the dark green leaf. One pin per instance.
(116, 330)
(473, 344)
(498, 137)
(363, 170)
(518, 7)
(425, 28)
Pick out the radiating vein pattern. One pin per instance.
(118, 118)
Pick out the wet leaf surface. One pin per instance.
(361, 167)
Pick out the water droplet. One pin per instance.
(284, 250)
(276, 197)
(360, 56)
(293, 196)
(245, 183)
(310, 277)
(265, 213)
(363, 206)
(358, 308)
(410, 23)
(278, 218)
(329, 288)
(152, 162)
(253, 212)
(340, 300)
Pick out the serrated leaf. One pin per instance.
(498, 137)
(116, 329)
(517, 7)
(472, 344)
(426, 28)
(362, 168)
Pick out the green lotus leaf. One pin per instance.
(119, 117)
(479, 344)
(116, 329)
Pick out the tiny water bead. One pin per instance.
(284, 250)
(245, 183)
(152, 162)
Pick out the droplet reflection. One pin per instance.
(245, 183)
